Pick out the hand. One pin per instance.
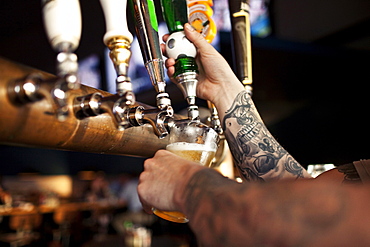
(163, 180)
(216, 79)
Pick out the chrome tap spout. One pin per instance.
(123, 115)
(157, 118)
(95, 104)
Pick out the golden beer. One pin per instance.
(200, 153)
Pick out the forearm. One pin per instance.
(225, 213)
(257, 154)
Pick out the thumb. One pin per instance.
(196, 38)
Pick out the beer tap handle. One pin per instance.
(118, 39)
(146, 27)
(175, 13)
(115, 20)
(242, 51)
(62, 21)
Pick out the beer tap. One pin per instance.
(121, 106)
(200, 17)
(118, 39)
(123, 116)
(62, 20)
(242, 50)
(64, 36)
(175, 13)
(146, 27)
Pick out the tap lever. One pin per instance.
(242, 48)
(155, 70)
(63, 25)
(115, 20)
(118, 39)
(146, 27)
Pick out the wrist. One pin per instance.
(179, 198)
(226, 95)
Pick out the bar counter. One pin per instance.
(68, 207)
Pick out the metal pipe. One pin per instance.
(33, 123)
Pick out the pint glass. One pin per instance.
(193, 141)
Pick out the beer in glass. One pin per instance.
(195, 142)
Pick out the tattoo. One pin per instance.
(225, 213)
(206, 209)
(256, 152)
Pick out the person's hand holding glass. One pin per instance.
(193, 141)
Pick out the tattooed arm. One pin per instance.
(276, 214)
(223, 212)
(256, 152)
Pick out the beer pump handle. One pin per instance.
(118, 39)
(242, 51)
(115, 20)
(146, 27)
(175, 14)
(62, 20)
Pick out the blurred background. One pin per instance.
(310, 68)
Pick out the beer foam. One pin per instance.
(182, 146)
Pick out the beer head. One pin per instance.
(200, 153)
(193, 132)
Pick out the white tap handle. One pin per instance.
(62, 20)
(115, 20)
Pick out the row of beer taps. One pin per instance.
(64, 31)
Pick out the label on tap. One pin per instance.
(200, 17)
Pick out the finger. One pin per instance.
(163, 49)
(170, 63)
(163, 46)
(147, 208)
(141, 188)
(170, 73)
(165, 37)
